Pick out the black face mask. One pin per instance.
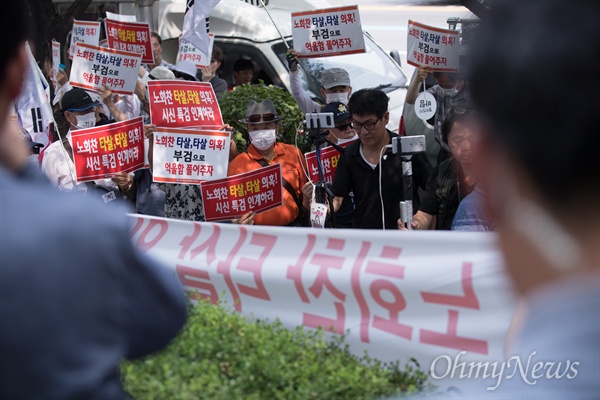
(103, 120)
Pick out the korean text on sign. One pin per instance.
(133, 37)
(258, 190)
(328, 32)
(182, 104)
(87, 32)
(434, 47)
(329, 160)
(188, 52)
(103, 151)
(189, 156)
(55, 62)
(93, 67)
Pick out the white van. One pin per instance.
(244, 30)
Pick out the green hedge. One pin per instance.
(221, 355)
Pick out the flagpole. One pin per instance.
(274, 24)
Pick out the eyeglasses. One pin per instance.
(369, 125)
(255, 118)
(343, 128)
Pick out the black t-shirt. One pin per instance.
(354, 174)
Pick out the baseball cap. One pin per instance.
(333, 77)
(340, 111)
(77, 99)
(158, 73)
(187, 69)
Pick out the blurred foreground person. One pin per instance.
(543, 196)
(75, 295)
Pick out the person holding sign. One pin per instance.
(451, 88)
(262, 123)
(335, 86)
(157, 53)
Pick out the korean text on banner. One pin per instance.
(189, 156)
(102, 151)
(87, 32)
(179, 104)
(328, 32)
(389, 295)
(188, 52)
(329, 160)
(95, 66)
(437, 48)
(55, 62)
(133, 37)
(258, 190)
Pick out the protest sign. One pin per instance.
(232, 197)
(133, 37)
(95, 66)
(189, 156)
(437, 48)
(188, 52)
(121, 17)
(102, 151)
(55, 62)
(329, 160)
(181, 104)
(87, 32)
(328, 32)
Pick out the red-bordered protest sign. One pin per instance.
(435, 47)
(328, 32)
(103, 151)
(87, 32)
(189, 52)
(232, 197)
(95, 66)
(55, 62)
(181, 104)
(133, 37)
(189, 156)
(329, 161)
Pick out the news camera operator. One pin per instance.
(359, 167)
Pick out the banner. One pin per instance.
(328, 32)
(394, 294)
(188, 52)
(121, 17)
(184, 104)
(84, 32)
(133, 37)
(229, 198)
(437, 48)
(329, 160)
(102, 151)
(189, 156)
(95, 66)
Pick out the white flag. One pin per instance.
(195, 23)
(33, 104)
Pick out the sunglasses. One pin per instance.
(254, 118)
(186, 77)
(343, 128)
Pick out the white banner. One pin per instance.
(84, 32)
(121, 17)
(187, 51)
(328, 32)
(396, 294)
(95, 66)
(189, 156)
(434, 47)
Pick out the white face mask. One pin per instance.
(263, 139)
(450, 92)
(86, 121)
(333, 97)
(342, 141)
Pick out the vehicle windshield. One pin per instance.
(367, 70)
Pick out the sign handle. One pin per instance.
(274, 24)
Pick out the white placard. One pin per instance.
(95, 66)
(425, 106)
(187, 51)
(328, 32)
(121, 17)
(55, 62)
(437, 48)
(87, 32)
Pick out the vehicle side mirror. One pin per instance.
(396, 56)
